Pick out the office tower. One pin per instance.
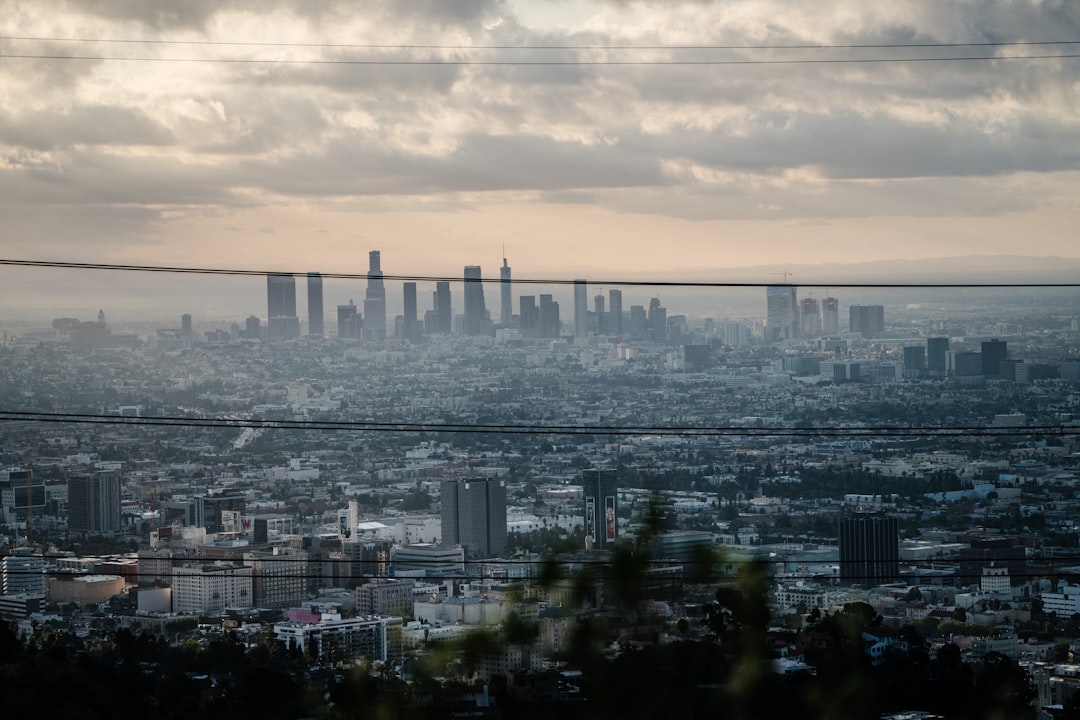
(937, 348)
(476, 317)
(413, 330)
(94, 504)
(809, 318)
(599, 322)
(314, 304)
(615, 313)
(506, 300)
(869, 549)
(474, 516)
(867, 320)
(349, 322)
(529, 316)
(963, 364)
(830, 317)
(600, 492)
(550, 325)
(657, 321)
(22, 572)
(993, 352)
(914, 358)
(375, 300)
(185, 330)
(581, 309)
(444, 316)
(781, 320)
(252, 328)
(281, 316)
(639, 322)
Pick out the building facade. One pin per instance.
(474, 516)
(869, 549)
(600, 497)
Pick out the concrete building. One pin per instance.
(206, 589)
(279, 577)
(387, 598)
(22, 573)
(474, 516)
(337, 638)
(84, 589)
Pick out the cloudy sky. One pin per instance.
(580, 169)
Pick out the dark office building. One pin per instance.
(993, 352)
(476, 317)
(615, 327)
(964, 364)
(474, 516)
(94, 504)
(315, 304)
(869, 549)
(413, 329)
(868, 320)
(601, 495)
(550, 324)
(348, 322)
(914, 358)
(528, 316)
(506, 300)
(281, 307)
(375, 300)
(937, 348)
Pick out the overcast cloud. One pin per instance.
(112, 158)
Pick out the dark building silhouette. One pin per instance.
(474, 516)
(529, 316)
(830, 317)
(413, 330)
(444, 316)
(615, 324)
(94, 504)
(281, 319)
(937, 349)
(601, 510)
(581, 308)
(476, 317)
(781, 312)
(315, 304)
(993, 352)
(506, 300)
(185, 329)
(867, 320)
(914, 358)
(550, 324)
(375, 300)
(869, 549)
(348, 322)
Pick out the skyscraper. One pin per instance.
(937, 351)
(506, 300)
(348, 322)
(615, 312)
(830, 317)
(869, 549)
(476, 317)
(657, 320)
(993, 352)
(185, 330)
(550, 326)
(600, 492)
(474, 515)
(375, 300)
(444, 317)
(809, 318)
(529, 316)
(581, 309)
(413, 328)
(780, 312)
(315, 304)
(94, 503)
(281, 307)
(868, 320)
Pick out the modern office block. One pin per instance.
(474, 516)
(600, 495)
(869, 549)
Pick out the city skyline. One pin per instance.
(659, 168)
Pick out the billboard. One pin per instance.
(609, 518)
(590, 517)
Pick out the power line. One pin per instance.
(550, 63)
(558, 47)
(533, 429)
(54, 264)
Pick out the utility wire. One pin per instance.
(501, 429)
(558, 47)
(462, 63)
(55, 264)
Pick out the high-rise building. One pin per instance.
(474, 515)
(639, 322)
(615, 313)
(529, 316)
(281, 316)
(869, 549)
(94, 503)
(375, 300)
(657, 321)
(914, 358)
(993, 352)
(550, 324)
(444, 316)
(349, 322)
(315, 304)
(599, 322)
(781, 319)
(185, 330)
(830, 317)
(809, 318)
(581, 308)
(867, 320)
(506, 300)
(600, 493)
(937, 350)
(252, 328)
(476, 317)
(413, 329)
(22, 572)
